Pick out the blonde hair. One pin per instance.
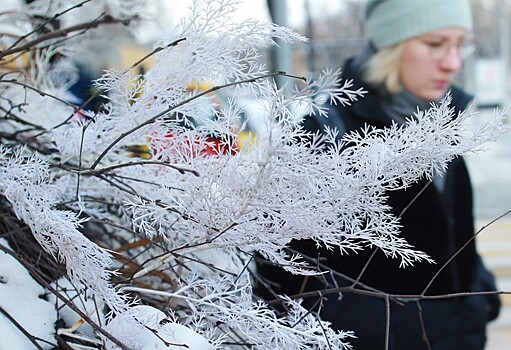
(383, 68)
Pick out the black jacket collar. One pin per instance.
(369, 107)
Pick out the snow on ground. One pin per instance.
(20, 297)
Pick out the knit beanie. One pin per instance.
(392, 21)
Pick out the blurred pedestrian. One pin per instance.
(414, 52)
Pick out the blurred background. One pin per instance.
(335, 29)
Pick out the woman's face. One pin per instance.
(429, 62)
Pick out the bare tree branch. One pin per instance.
(61, 33)
(48, 20)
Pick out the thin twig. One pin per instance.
(11, 116)
(79, 108)
(383, 295)
(309, 311)
(152, 183)
(29, 336)
(414, 199)
(366, 265)
(423, 325)
(323, 330)
(48, 20)
(336, 273)
(129, 164)
(461, 249)
(80, 157)
(40, 92)
(155, 51)
(387, 322)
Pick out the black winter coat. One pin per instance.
(438, 223)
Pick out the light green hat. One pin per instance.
(392, 21)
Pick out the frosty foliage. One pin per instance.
(157, 331)
(177, 224)
(25, 181)
(229, 304)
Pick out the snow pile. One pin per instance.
(21, 297)
(155, 331)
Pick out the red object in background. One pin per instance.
(208, 147)
(214, 147)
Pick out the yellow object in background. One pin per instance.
(246, 139)
(139, 151)
(15, 61)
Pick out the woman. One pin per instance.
(414, 54)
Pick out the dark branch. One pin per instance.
(62, 33)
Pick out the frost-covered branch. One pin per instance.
(162, 195)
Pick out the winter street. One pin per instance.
(491, 176)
